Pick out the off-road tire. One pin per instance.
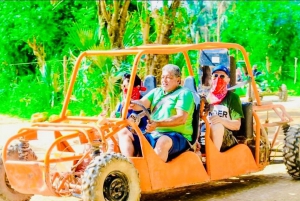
(111, 177)
(7, 193)
(283, 93)
(291, 149)
(284, 96)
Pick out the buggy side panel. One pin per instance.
(246, 130)
(184, 170)
(190, 84)
(29, 178)
(235, 161)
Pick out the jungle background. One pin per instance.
(40, 41)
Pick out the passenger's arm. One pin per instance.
(144, 101)
(227, 123)
(176, 120)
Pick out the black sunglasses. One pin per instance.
(217, 75)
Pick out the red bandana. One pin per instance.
(218, 91)
(135, 92)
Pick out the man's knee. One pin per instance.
(125, 134)
(164, 142)
(217, 130)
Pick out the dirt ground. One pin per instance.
(271, 184)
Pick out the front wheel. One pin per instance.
(291, 149)
(111, 177)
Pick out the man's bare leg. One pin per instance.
(217, 133)
(162, 147)
(126, 142)
(111, 145)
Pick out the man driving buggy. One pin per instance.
(172, 109)
(227, 112)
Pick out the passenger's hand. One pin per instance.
(130, 107)
(215, 119)
(151, 126)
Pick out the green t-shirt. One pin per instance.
(230, 107)
(179, 99)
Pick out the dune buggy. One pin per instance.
(111, 176)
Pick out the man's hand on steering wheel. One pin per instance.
(137, 117)
(151, 126)
(130, 105)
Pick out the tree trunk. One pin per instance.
(232, 71)
(220, 11)
(267, 64)
(115, 20)
(295, 70)
(39, 52)
(164, 27)
(145, 23)
(65, 73)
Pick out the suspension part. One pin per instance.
(25, 152)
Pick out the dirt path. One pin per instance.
(272, 184)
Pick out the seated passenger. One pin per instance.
(137, 88)
(227, 113)
(172, 108)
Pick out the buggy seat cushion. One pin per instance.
(149, 83)
(246, 129)
(190, 84)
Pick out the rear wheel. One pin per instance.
(111, 177)
(6, 190)
(291, 150)
(283, 93)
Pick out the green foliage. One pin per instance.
(24, 96)
(52, 28)
(181, 32)
(133, 35)
(264, 28)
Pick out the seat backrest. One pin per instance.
(246, 129)
(149, 83)
(190, 84)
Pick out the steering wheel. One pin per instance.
(136, 118)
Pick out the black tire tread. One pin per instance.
(291, 150)
(97, 167)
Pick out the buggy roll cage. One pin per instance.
(42, 182)
(139, 51)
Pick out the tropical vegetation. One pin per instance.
(41, 40)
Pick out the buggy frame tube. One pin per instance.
(159, 49)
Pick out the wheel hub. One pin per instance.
(116, 187)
